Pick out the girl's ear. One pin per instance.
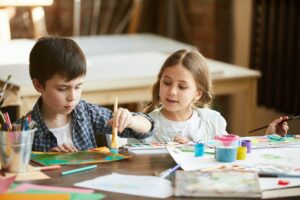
(37, 85)
(198, 95)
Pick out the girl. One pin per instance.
(180, 98)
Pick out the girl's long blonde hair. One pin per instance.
(194, 62)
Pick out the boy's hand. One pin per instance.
(64, 148)
(278, 126)
(180, 139)
(122, 119)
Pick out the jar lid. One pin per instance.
(227, 138)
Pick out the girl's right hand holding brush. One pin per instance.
(278, 126)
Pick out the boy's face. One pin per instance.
(59, 95)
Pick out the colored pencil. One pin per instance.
(266, 126)
(73, 171)
(45, 168)
(168, 172)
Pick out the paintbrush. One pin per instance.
(4, 88)
(114, 144)
(266, 126)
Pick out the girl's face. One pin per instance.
(61, 96)
(178, 90)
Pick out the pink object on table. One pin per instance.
(5, 182)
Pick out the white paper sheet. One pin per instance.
(272, 183)
(150, 186)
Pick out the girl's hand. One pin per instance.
(180, 139)
(278, 126)
(64, 148)
(122, 119)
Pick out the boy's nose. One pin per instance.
(71, 96)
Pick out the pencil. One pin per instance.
(266, 126)
(114, 143)
(44, 168)
(168, 172)
(73, 171)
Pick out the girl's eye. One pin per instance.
(167, 83)
(182, 87)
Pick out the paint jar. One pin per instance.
(199, 149)
(226, 147)
(15, 149)
(247, 143)
(241, 153)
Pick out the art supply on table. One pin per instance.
(199, 149)
(15, 149)
(114, 141)
(82, 169)
(266, 126)
(5, 182)
(241, 153)
(247, 144)
(169, 171)
(228, 183)
(75, 158)
(226, 147)
(46, 168)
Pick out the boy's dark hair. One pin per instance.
(56, 56)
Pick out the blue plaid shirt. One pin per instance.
(87, 120)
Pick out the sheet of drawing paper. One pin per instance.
(150, 186)
(189, 162)
(285, 156)
(272, 183)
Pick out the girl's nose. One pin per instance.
(173, 91)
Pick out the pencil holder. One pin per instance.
(15, 150)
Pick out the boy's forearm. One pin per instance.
(140, 124)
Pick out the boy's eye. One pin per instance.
(62, 89)
(78, 87)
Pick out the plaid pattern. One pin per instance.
(87, 120)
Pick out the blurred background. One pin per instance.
(259, 34)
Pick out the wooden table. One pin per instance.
(137, 165)
(126, 66)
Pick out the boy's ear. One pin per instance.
(37, 85)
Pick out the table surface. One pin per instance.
(136, 165)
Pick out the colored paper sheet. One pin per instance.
(27, 186)
(30, 176)
(75, 158)
(5, 182)
(35, 196)
(73, 195)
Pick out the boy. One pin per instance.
(57, 68)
